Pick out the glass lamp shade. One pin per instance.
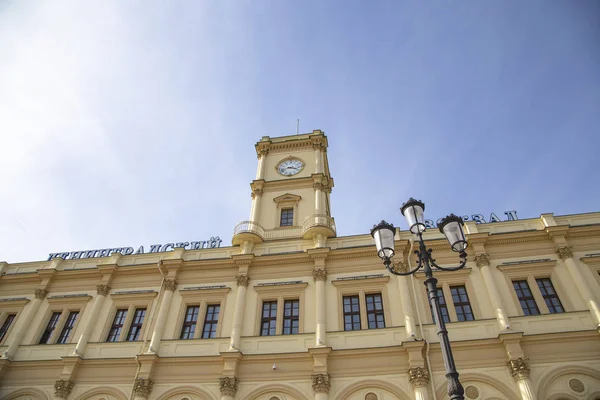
(451, 227)
(413, 212)
(383, 233)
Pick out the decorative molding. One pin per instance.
(321, 383)
(256, 192)
(320, 274)
(142, 387)
(318, 186)
(418, 377)
(40, 293)
(370, 396)
(102, 290)
(472, 392)
(482, 260)
(519, 368)
(228, 386)
(564, 252)
(576, 385)
(170, 285)
(242, 280)
(400, 266)
(63, 388)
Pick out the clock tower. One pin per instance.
(290, 195)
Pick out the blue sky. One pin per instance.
(133, 123)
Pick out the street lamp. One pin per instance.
(451, 227)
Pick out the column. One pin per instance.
(262, 162)
(406, 303)
(318, 157)
(228, 387)
(519, 369)
(320, 276)
(483, 262)
(142, 388)
(318, 197)
(90, 323)
(566, 255)
(169, 286)
(321, 385)
(419, 379)
(238, 313)
(62, 388)
(24, 324)
(255, 209)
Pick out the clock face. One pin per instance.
(290, 167)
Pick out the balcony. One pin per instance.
(318, 224)
(248, 231)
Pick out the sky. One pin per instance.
(133, 123)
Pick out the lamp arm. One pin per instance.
(388, 262)
(462, 264)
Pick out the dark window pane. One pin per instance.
(6, 325)
(50, 328)
(375, 316)
(211, 320)
(68, 328)
(461, 303)
(269, 318)
(443, 307)
(351, 313)
(136, 325)
(525, 298)
(189, 325)
(287, 217)
(117, 326)
(291, 317)
(549, 295)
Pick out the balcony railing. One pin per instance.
(249, 227)
(318, 220)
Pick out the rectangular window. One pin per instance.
(525, 298)
(136, 325)
(443, 307)
(68, 328)
(287, 217)
(461, 303)
(117, 326)
(351, 313)
(6, 325)
(189, 324)
(291, 317)
(269, 318)
(375, 311)
(50, 328)
(210, 321)
(549, 295)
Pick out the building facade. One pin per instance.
(291, 311)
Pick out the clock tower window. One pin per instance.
(287, 217)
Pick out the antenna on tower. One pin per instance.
(298, 126)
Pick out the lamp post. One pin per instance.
(451, 227)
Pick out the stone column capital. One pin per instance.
(482, 260)
(320, 274)
(400, 266)
(256, 192)
(170, 285)
(102, 290)
(564, 252)
(321, 383)
(142, 387)
(40, 293)
(242, 280)
(519, 368)
(62, 388)
(228, 386)
(418, 376)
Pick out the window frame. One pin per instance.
(526, 298)
(537, 281)
(201, 297)
(212, 321)
(289, 221)
(461, 303)
(132, 324)
(362, 286)
(280, 292)
(129, 301)
(530, 272)
(287, 200)
(291, 317)
(63, 304)
(11, 306)
(351, 313)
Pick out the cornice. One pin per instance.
(557, 231)
(529, 267)
(282, 259)
(517, 237)
(352, 252)
(583, 231)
